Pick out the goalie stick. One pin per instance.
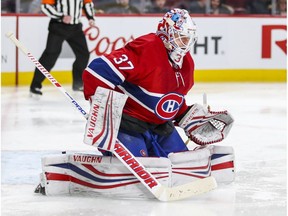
(161, 192)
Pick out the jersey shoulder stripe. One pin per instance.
(97, 76)
(143, 98)
(99, 67)
(119, 74)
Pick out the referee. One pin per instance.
(65, 25)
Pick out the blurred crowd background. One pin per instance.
(229, 7)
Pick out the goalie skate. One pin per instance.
(40, 189)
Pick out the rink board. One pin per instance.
(223, 52)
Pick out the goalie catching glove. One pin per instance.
(205, 127)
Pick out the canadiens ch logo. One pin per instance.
(169, 105)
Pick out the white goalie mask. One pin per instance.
(178, 32)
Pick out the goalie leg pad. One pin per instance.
(222, 163)
(216, 161)
(189, 166)
(99, 175)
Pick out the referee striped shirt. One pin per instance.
(56, 9)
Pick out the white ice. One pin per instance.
(33, 128)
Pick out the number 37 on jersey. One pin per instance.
(126, 64)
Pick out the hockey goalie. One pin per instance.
(137, 97)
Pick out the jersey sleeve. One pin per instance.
(88, 7)
(48, 8)
(113, 69)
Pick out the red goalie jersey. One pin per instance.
(142, 70)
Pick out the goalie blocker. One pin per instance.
(80, 173)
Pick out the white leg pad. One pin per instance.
(190, 165)
(99, 175)
(216, 161)
(222, 163)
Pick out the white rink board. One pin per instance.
(223, 43)
(8, 50)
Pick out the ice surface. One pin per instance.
(33, 128)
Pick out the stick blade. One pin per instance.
(194, 188)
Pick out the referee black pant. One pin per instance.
(74, 35)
